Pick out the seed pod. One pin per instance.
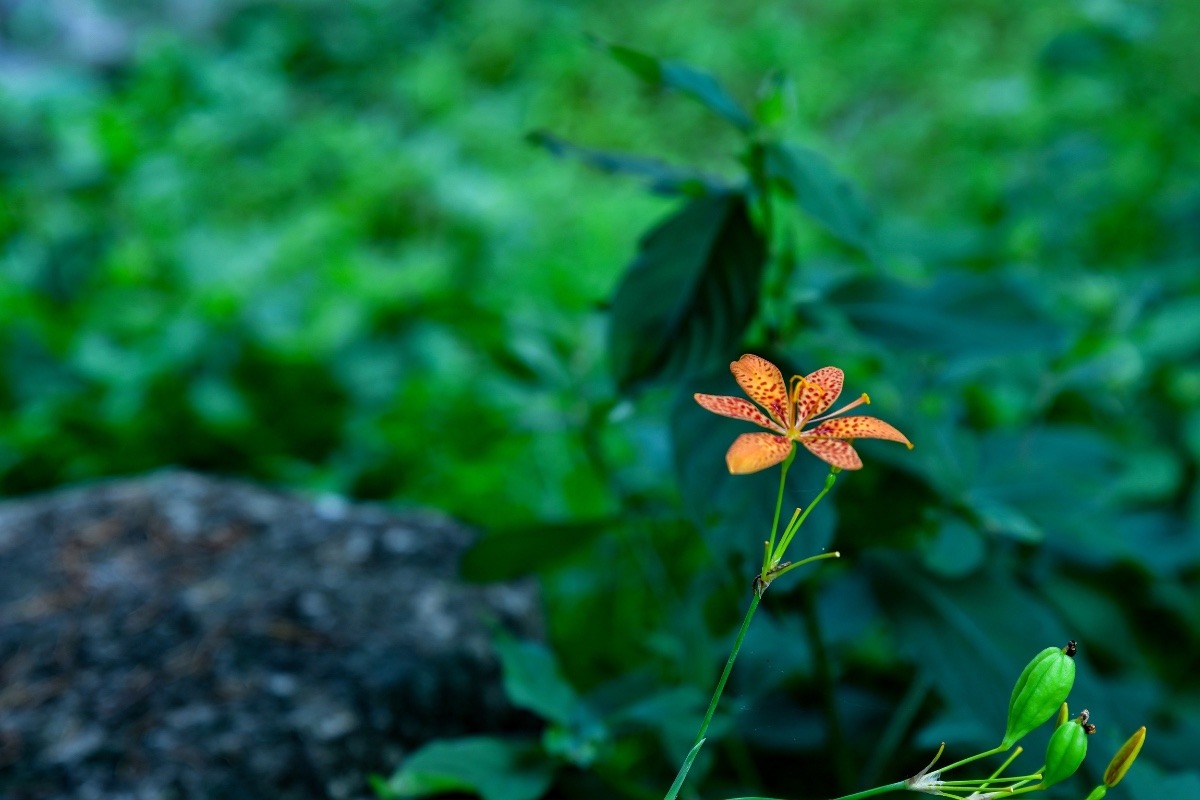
(1098, 793)
(1065, 752)
(1042, 687)
(1124, 758)
(1064, 714)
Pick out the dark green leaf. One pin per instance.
(971, 638)
(533, 681)
(700, 86)
(956, 314)
(955, 550)
(510, 553)
(495, 769)
(661, 178)
(824, 195)
(687, 298)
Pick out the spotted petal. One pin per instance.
(737, 408)
(834, 451)
(819, 392)
(857, 428)
(752, 452)
(763, 383)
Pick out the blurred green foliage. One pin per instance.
(308, 243)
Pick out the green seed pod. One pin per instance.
(1066, 751)
(1042, 687)
(1098, 793)
(1124, 758)
(1064, 714)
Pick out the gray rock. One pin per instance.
(180, 636)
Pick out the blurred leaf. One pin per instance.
(1173, 331)
(495, 769)
(957, 314)
(532, 680)
(955, 549)
(700, 86)
(687, 298)
(661, 178)
(970, 637)
(671, 713)
(825, 196)
(776, 101)
(1145, 781)
(509, 553)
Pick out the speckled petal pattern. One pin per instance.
(752, 452)
(763, 383)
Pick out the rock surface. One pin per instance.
(180, 636)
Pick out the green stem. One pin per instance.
(716, 698)
(776, 573)
(898, 786)
(790, 533)
(976, 757)
(787, 462)
(737, 645)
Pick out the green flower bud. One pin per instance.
(1064, 714)
(1066, 751)
(1042, 687)
(1098, 793)
(1124, 758)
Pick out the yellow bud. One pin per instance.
(1063, 715)
(1124, 758)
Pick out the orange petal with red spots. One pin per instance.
(737, 408)
(829, 380)
(834, 451)
(752, 452)
(858, 428)
(763, 383)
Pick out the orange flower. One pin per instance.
(789, 409)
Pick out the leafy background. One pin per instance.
(313, 244)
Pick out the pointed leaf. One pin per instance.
(532, 680)
(673, 792)
(821, 193)
(954, 315)
(661, 178)
(494, 769)
(508, 553)
(698, 85)
(686, 300)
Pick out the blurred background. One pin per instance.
(309, 243)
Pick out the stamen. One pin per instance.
(860, 401)
(794, 390)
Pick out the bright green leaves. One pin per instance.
(688, 296)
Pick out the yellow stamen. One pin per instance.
(860, 401)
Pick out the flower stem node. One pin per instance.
(1066, 750)
(1040, 690)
